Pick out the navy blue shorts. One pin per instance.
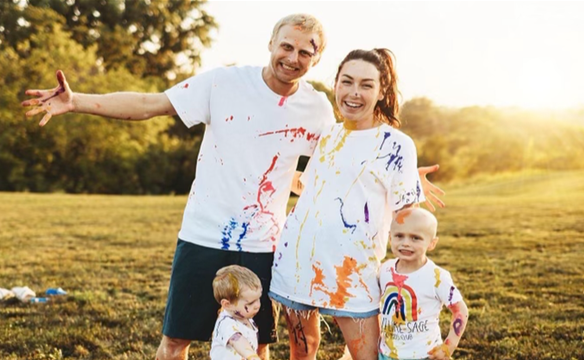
(191, 308)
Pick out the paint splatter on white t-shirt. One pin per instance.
(336, 236)
(225, 327)
(410, 309)
(248, 155)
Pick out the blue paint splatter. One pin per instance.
(366, 213)
(395, 159)
(244, 226)
(385, 136)
(347, 225)
(227, 233)
(418, 191)
(451, 294)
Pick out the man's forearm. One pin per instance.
(124, 105)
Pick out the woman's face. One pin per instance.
(357, 91)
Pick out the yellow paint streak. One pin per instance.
(437, 276)
(388, 334)
(322, 147)
(234, 284)
(319, 191)
(442, 347)
(340, 143)
(355, 181)
(298, 240)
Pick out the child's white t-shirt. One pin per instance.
(414, 329)
(225, 327)
(248, 156)
(336, 236)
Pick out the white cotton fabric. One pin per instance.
(248, 156)
(336, 236)
(415, 330)
(225, 327)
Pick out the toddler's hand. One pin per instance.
(440, 352)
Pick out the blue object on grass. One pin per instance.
(38, 300)
(53, 291)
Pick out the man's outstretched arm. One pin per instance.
(119, 105)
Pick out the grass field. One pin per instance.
(514, 245)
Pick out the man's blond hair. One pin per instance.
(307, 23)
(230, 280)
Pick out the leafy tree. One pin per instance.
(75, 153)
(147, 37)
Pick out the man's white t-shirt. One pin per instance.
(336, 236)
(248, 156)
(410, 309)
(225, 327)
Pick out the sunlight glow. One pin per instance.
(540, 84)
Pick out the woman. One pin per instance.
(362, 171)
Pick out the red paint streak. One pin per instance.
(186, 86)
(266, 189)
(282, 100)
(399, 281)
(229, 118)
(294, 133)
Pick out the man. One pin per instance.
(258, 122)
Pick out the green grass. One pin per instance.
(514, 245)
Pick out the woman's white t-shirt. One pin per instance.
(336, 236)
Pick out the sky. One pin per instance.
(456, 53)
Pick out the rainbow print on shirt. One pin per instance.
(401, 301)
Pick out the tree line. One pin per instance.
(105, 47)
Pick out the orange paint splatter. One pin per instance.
(341, 295)
(357, 344)
(402, 215)
(318, 278)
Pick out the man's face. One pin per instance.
(293, 53)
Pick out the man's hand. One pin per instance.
(431, 191)
(54, 102)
